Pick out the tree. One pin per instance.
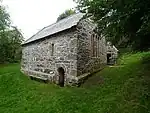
(10, 45)
(10, 39)
(4, 19)
(66, 14)
(124, 22)
(4, 23)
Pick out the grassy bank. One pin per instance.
(124, 88)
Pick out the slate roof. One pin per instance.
(56, 27)
(112, 49)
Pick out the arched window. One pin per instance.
(95, 46)
(98, 46)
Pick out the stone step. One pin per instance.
(39, 77)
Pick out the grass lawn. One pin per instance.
(117, 89)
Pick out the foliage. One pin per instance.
(66, 14)
(4, 19)
(125, 89)
(10, 39)
(125, 22)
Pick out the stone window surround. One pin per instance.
(52, 54)
(92, 48)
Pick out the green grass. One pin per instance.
(120, 89)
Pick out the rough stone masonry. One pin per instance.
(70, 45)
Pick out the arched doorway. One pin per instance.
(61, 72)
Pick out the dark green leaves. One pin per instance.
(120, 19)
(66, 14)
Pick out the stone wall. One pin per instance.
(86, 63)
(41, 59)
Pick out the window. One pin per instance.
(52, 50)
(92, 46)
(98, 46)
(95, 45)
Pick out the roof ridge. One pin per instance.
(63, 24)
(63, 19)
(51, 25)
(34, 34)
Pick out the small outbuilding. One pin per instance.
(112, 54)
